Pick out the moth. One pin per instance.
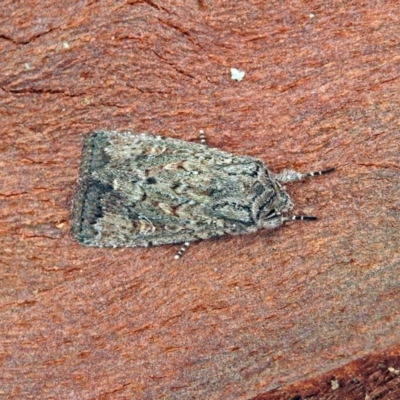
(142, 190)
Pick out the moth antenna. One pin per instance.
(182, 250)
(322, 172)
(299, 218)
(288, 175)
(202, 137)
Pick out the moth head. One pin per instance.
(272, 215)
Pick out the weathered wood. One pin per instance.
(372, 377)
(237, 317)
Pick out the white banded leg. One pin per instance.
(277, 219)
(288, 175)
(298, 218)
(182, 250)
(202, 136)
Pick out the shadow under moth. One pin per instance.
(143, 190)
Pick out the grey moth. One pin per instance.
(142, 190)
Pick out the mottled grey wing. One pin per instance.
(138, 190)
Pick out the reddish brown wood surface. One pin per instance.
(235, 318)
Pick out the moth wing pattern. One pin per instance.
(140, 190)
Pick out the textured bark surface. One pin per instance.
(238, 317)
(374, 377)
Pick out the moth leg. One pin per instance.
(288, 175)
(182, 250)
(298, 218)
(202, 137)
(276, 219)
